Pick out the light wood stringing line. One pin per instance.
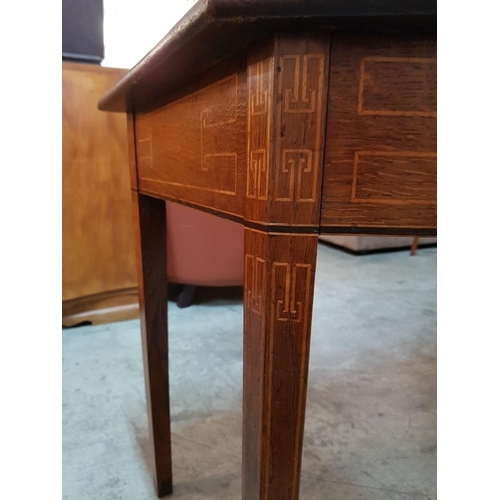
(258, 98)
(311, 100)
(203, 157)
(255, 283)
(305, 318)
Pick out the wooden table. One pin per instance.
(294, 119)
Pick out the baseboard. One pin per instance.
(106, 307)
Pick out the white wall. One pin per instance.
(132, 28)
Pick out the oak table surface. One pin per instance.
(295, 119)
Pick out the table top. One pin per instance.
(213, 30)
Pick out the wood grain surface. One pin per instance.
(151, 247)
(287, 90)
(279, 285)
(194, 147)
(380, 158)
(97, 236)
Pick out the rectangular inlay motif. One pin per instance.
(380, 153)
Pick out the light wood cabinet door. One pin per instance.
(98, 265)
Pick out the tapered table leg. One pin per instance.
(279, 282)
(149, 222)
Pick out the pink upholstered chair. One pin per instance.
(202, 250)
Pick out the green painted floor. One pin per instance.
(371, 408)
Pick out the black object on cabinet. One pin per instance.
(82, 30)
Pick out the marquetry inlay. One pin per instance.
(279, 285)
(288, 282)
(254, 282)
(195, 146)
(380, 167)
(214, 118)
(259, 128)
(292, 285)
(286, 129)
(301, 87)
(257, 177)
(302, 96)
(297, 167)
(259, 90)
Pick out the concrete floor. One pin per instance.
(371, 407)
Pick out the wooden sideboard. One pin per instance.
(98, 267)
(294, 118)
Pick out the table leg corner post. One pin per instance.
(287, 87)
(279, 282)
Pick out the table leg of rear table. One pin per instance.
(279, 283)
(149, 222)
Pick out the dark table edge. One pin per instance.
(252, 19)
